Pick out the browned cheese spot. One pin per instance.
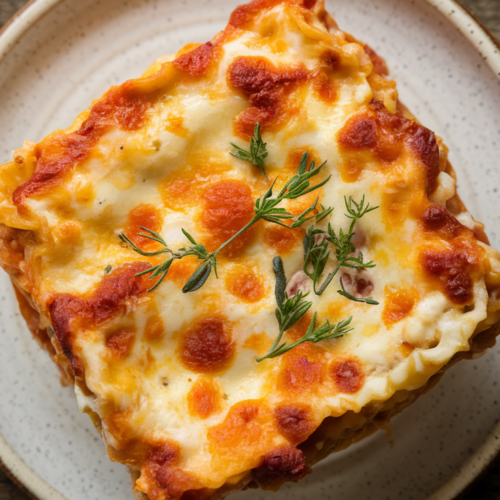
(348, 375)
(120, 344)
(267, 88)
(386, 136)
(207, 346)
(69, 312)
(456, 259)
(437, 219)
(379, 64)
(295, 422)
(161, 475)
(452, 268)
(285, 463)
(196, 61)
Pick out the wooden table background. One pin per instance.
(487, 487)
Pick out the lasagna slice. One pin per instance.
(228, 320)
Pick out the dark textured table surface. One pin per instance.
(487, 487)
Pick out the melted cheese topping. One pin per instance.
(173, 376)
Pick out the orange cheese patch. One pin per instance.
(246, 283)
(154, 330)
(181, 270)
(178, 194)
(281, 239)
(119, 425)
(183, 188)
(203, 399)
(300, 373)
(144, 215)
(228, 207)
(247, 432)
(398, 304)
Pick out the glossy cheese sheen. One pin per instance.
(173, 377)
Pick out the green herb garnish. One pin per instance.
(108, 268)
(317, 250)
(257, 153)
(160, 271)
(266, 208)
(290, 310)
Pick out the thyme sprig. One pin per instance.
(161, 270)
(314, 335)
(266, 208)
(317, 253)
(317, 250)
(258, 151)
(290, 310)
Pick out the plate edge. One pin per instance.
(488, 47)
(20, 472)
(480, 37)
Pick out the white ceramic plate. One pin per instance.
(58, 55)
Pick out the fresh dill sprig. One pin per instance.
(266, 208)
(290, 310)
(317, 250)
(257, 153)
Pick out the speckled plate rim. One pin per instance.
(484, 43)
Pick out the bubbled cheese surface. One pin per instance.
(168, 367)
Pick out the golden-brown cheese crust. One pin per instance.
(170, 379)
